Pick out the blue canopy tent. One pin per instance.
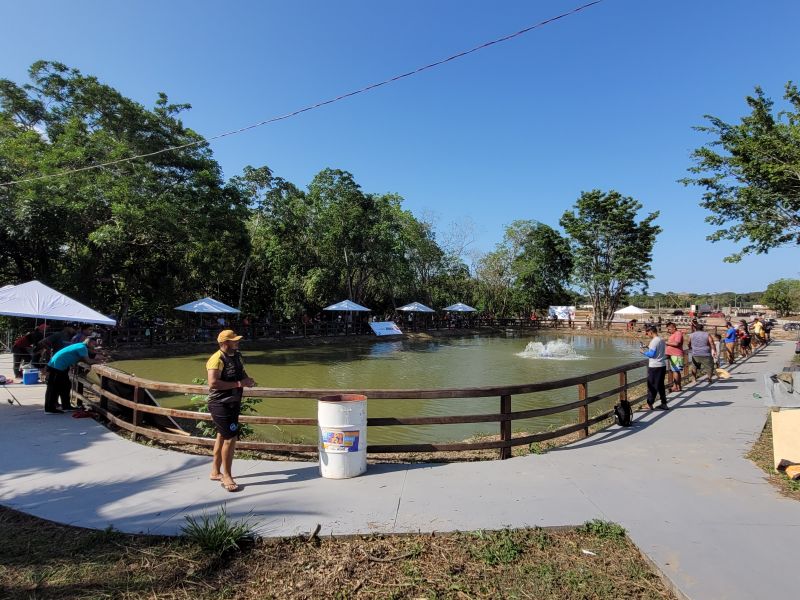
(205, 306)
(208, 306)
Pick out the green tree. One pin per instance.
(141, 234)
(612, 251)
(543, 267)
(751, 175)
(783, 296)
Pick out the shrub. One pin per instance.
(217, 534)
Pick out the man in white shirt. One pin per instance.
(656, 352)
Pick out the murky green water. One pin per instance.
(438, 363)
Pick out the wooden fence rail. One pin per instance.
(100, 397)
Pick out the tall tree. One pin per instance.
(751, 175)
(139, 234)
(783, 296)
(612, 251)
(543, 267)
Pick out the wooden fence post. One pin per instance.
(103, 399)
(505, 426)
(583, 411)
(137, 416)
(623, 384)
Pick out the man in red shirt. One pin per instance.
(674, 356)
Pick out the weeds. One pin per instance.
(217, 534)
(497, 547)
(605, 530)
(536, 448)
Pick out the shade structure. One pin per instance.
(208, 306)
(347, 306)
(416, 307)
(631, 310)
(37, 301)
(460, 307)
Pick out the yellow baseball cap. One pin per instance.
(228, 335)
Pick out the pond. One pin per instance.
(473, 361)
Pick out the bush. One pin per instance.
(218, 534)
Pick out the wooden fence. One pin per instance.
(100, 397)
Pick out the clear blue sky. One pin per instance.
(604, 99)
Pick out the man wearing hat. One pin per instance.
(226, 380)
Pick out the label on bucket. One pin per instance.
(339, 441)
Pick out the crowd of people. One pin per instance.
(706, 353)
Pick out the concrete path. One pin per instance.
(677, 481)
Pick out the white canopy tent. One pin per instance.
(37, 301)
(631, 311)
(416, 307)
(347, 306)
(207, 305)
(460, 307)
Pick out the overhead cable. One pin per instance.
(311, 106)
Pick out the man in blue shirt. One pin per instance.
(58, 384)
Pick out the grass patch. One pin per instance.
(604, 530)
(39, 559)
(218, 534)
(761, 454)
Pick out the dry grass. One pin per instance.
(761, 454)
(39, 559)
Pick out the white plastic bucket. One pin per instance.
(342, 435)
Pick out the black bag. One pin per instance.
(623, 415)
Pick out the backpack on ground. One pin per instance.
(623, 414)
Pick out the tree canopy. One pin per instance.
(611, 250)
(783, 296)
(138, 237)
(751, 175)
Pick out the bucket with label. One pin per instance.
(342, 420)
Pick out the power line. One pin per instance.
(312, 106)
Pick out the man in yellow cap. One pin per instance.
(226, 380)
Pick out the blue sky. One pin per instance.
(603, 99)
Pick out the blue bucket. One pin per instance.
(30, 376)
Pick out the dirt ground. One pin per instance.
(44, 560)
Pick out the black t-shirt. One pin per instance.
(231, 368)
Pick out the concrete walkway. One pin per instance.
(677, 481)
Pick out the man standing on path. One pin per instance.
(58, 384)
(674, 356)
(703, 352)
(226, 380)
(656, 368)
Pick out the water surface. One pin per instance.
(437, 363)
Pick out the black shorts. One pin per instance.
(225, 416)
